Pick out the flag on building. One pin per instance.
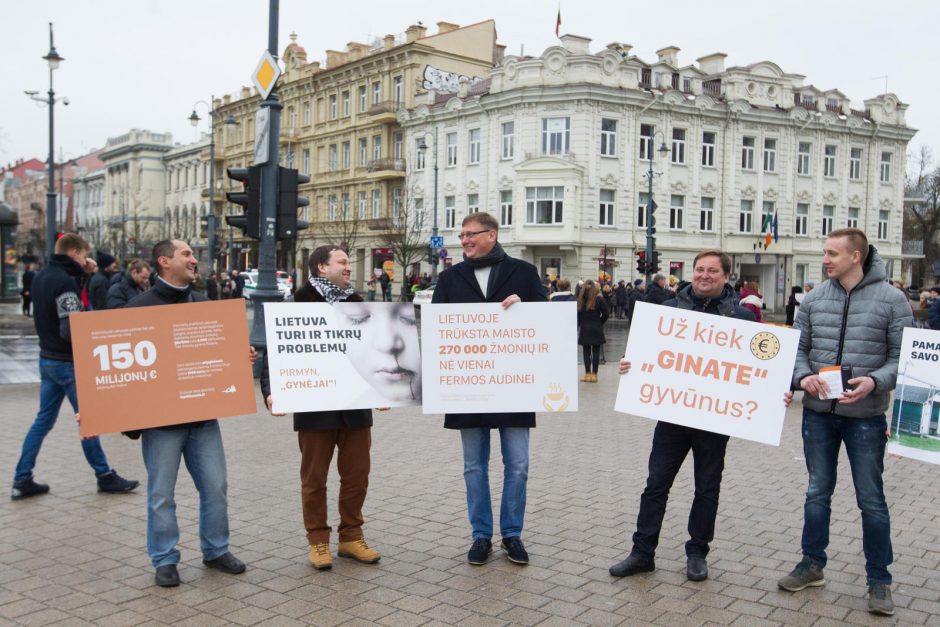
(770, 229)
(558, 22)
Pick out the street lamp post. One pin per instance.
(423, 147)
(53, 59)
(210, 219)
(650, 229)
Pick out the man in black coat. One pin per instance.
(319, 433)
(489, 275)
(135, 281)
(656, 292)
(101, 281)
(709, 293)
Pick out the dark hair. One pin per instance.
(321, 255)
(484, 219)
(722, 257)
(163, 248)
(137, 265)
(856, 238)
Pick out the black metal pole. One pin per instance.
(649, 214)
(51, 193)
(437, 258)
(210, 221)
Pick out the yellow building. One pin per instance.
(339, 125)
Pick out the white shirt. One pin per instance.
(483, 277)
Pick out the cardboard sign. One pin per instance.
(709, 372)
(342, 356)
(481, 358)
(914, 417)
(157, 366)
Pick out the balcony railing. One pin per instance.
(388, 106)
(712, 87)
(378, 165)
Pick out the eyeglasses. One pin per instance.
(471, 234)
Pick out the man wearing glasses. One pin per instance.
(488, 275)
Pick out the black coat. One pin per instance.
(98, 290)
(658, 295)
(56, 293)
(123, 291)
(315, 420)
(591, 323)
(458, 284)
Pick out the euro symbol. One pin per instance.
(762, 346)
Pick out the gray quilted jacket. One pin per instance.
(861, 329)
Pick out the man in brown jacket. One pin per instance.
(320, 433)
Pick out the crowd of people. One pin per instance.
(863, 331)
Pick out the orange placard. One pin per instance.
(157, 366)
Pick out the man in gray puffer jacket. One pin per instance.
(854, 319)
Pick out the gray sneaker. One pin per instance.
(879, 599)
(805, 575)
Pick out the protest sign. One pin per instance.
(708, 372)
(351, 355)
(157, 366)
(917, 397)
(481, 358)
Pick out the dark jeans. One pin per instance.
(592, 357)
(671, 445)
(865, 439)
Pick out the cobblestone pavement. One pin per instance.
(78, 557)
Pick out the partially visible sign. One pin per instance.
(437, 241)
(262, 135)
(914, 428)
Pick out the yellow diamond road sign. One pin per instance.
(266, 74)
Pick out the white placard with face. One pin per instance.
(914, 416)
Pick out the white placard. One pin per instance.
(345, 356)
(914, 416)
(709, 372)
(483, 359)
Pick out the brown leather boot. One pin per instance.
(320, 557)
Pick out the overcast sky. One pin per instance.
(144, 63)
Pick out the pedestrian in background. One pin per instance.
(593, 312)
(134, 281)
(27, 291)
(212, 286)
(563, 293)
(751, 299)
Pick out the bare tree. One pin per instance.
(922, 216)
(345, 231)
(406, 239)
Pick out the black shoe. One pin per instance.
(696, 568)
(479, 551)
(25, 488)
(113, 483)
(227, 563)
(167, 576)
(632, 565)
(515, 550)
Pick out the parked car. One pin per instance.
(283, 284)
(424, 296)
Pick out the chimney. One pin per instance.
(388, 41)
(335, 58)
(415, 32)
(713, 63)
(446, 27)
(575, 44)
(623, 49)
(246, 91)
(669, 55)
(356, 50)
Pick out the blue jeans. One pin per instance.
(671, 445)
(514, 442)
(865, 439)
(201, 448)
(57, 382)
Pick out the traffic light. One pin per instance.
(288, 202)
(651, 219)
(641, 262)
(250, 199)
(654, 264)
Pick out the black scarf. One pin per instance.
(492, 258)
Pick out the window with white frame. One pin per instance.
(420, 155)
(333, 157)
(770, 155)
(377, 147)
(747, 153)
(346, 103)
(555, 133)
(767, 215)
(363, 99)
(450, 141)
(376, 204)
(746, 217)
(397, 145)
(885, 167)
(676, 211)
(450, 212)
(646, 141)
(331, 207)
(608, 137)
(505, 208)
(307, 113)
(507, 140)
(376, 92)
(397, 87)
(708, 149)
(829, 160)
(333, 113)
(418, 214)
(855, 164)
(396, 206)
(473, 203)
(346, 155)
(291, 117)
(641, 208)
(362, 205)
(852, 221)
(473, 145)
(363, 150)
(883, 224)
(606, 208)
(828, 214)
(678, 146)
(706, 214)
(802, 158)
(306, 161)
(544, 205)
(802, 219)
(345, 212)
